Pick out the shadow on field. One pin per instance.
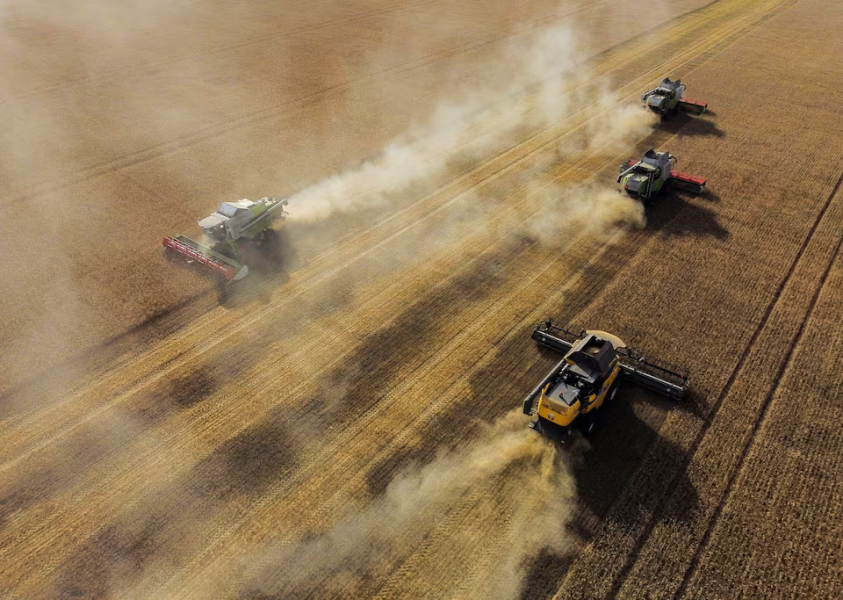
(693, 220)
(685, 125)
(617, 450)
(374, 368)
(163, 525)
(270, 264)
(710, 196)
(700, 127)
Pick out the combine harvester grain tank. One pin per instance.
(231, 231)
(593, 365)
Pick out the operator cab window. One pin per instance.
(227, 209)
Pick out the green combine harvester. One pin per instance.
(653, 174)
(235, 228)
(668, 99)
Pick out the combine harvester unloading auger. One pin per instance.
(668, 99)
(234, 229)
(593, 366)
(653, 174)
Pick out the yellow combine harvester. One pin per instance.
(592, 368)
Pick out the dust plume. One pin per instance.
(587, 210)
(531, 87)
(512, 467)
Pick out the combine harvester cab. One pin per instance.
(231, 230)
(669, 98)
(593, 365)
(653, 174)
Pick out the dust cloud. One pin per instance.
(531, 87)
(593, 211)
(509, 465)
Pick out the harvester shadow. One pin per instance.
(690, 219)
(269, 268)
(710, 196)
(623, 442)
(685, 125)
(692, 404)
(688, 126)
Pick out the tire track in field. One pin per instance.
(716, 407)
(756, 425)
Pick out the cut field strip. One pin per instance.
(785, 364)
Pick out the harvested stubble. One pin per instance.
(182, 462)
